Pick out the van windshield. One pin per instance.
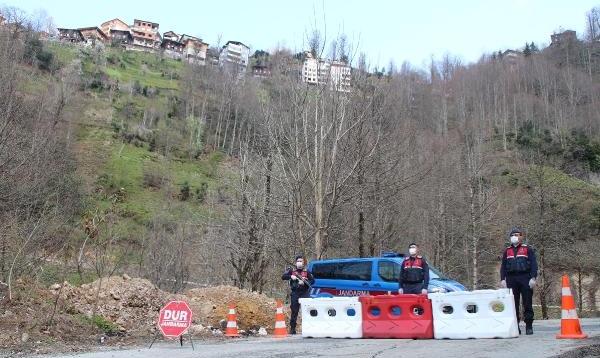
(434, 274)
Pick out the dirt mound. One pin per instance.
(132, 304)
(118, 310)
(211, 305)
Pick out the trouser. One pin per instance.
(519, 283)
(295, 308)
(412, 288)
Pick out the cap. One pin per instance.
(515, 230)
(413, 244)
(299, 257)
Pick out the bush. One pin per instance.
(201, 192)
(154, 178)
(185, 191)
(44, 60)
(106, 326)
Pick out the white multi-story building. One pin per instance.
(336, 74)
(314, 70)
(340, 76)
(234, 56)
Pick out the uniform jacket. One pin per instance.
(519, 260)
(302, 274)
(414, 270)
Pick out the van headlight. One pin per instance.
(438, 290)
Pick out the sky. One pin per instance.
(398, 31)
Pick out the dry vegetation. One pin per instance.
(128, 308)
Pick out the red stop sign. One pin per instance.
(174, 319)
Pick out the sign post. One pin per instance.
(174, 320)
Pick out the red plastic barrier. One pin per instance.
(398, 316)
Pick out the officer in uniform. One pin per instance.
(518, 272)
(414, 272)
(300, 282)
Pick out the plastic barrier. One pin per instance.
(475, 314)
(331, 317)
(398, 316)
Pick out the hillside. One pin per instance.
(125, 162)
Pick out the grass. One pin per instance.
(64, 54)
(147, 69)
(125, 169)
(107, 164)
(55, 273)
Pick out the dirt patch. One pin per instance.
(588, 351)
(118, 311)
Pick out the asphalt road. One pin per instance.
(542, 344)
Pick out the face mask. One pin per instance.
(514, 240)
(412, 250)
(299, 265)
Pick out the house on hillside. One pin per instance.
(564, 37)
(170, 45)
(194, 49)
(314, 70)
(93, 34)
(117, 31)
(340, 76)
(512, 57)
(317, 71)
(234, 57)
(171, 36)
(145, 34)
(189, 48)
(89, 35)
(261, 71)
(70, 35)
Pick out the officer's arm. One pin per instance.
(533, 267)
(287, 275)
(503, 267)
(425, 274)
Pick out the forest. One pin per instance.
(117, 161)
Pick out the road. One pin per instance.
(542, 344)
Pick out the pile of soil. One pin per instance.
(118, 310)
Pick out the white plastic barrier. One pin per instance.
(331, 317)
(474, 314)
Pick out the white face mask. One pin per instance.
(412, 251)
(514, 240)
(299, 264)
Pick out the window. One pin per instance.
(356, 270)
(389, 271)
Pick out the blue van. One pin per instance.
(368, 276)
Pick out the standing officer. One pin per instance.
(300, 282)
(414, 272)
(518, 272)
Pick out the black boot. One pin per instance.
(519, 329)
(528, 329)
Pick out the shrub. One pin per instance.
(154, 178)
(105, 325)
(185, 191)
(201, 192)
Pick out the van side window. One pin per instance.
(358, 271)
(389, 271)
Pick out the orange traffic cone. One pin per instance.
(280, 330)
(232, 329)
(569, 324)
